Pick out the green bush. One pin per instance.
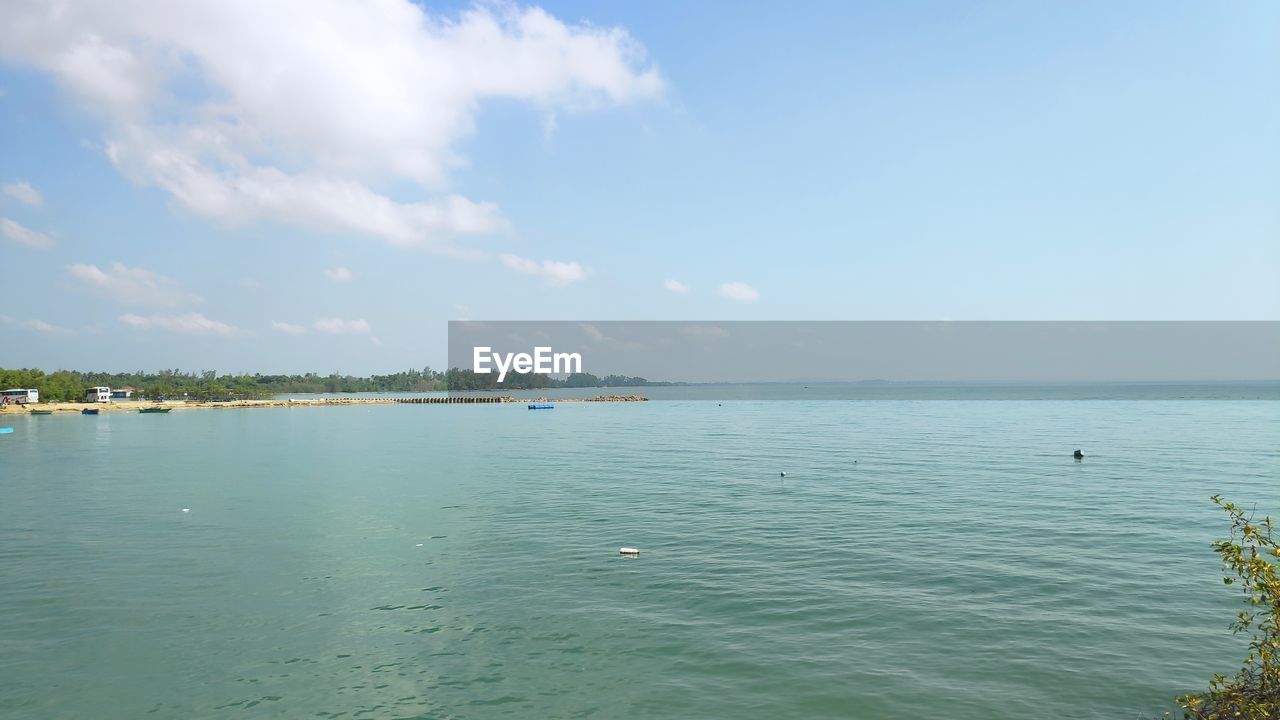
(1249, 555)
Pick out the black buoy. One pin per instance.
(1079, 455)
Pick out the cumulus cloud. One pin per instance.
(555, 272)
(23, 193)
(300, 111)
(739, 291)
(130, 286)
(339, 326)
(339, 274)
(189, 324)
(288, 328)
(23, 235)
(676, 287)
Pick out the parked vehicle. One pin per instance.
(20, 396)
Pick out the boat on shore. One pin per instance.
(40, 412)
(154, 410)
(89, 411)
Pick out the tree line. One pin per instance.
(208, 385)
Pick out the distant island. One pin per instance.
(208, 385)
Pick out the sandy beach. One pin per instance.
(135, 405)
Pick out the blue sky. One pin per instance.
(197, 193)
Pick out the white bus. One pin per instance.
(97, 394)
(20, 396)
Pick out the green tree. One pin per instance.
(1250, 554)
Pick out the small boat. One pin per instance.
(154, 410)
(541, 406)
(89, 411)
(41, 412)
(5, 431)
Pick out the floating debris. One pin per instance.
(628, 551)
(186, 509)
(782, 474)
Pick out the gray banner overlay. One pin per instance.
(861, 352)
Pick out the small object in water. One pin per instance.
(782, 474)
(628, 551)
(186, 509)
(5, 431)
(418, 545)
(541, 406)
(1078, 455)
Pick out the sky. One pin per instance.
(320, 186)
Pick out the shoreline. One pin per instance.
(135, 405)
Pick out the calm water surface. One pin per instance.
(921, 559)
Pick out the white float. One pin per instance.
(628, 551)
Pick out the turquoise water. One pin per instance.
(920, 559)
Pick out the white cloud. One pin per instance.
(739, 291)
(556, 273)
(23, 235)
(39, 326)
(592, 331)
(288, 328)
(339, 274)
(23, 193)
(338, 326)
(676, 287)
(704, 331)
(299, 111)
(130, 286)
(45, 328)
(189, 324)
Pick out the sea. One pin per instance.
(931, 552)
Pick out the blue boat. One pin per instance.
(5, 431)
(541, 406)
(89, 411)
